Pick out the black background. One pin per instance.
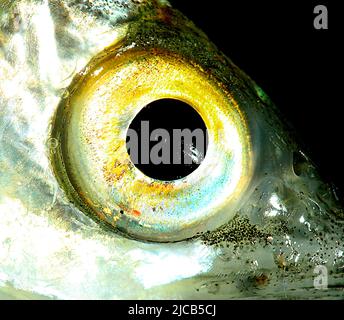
(299, 67)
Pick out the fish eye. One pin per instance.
(138, 161)
(187, 181)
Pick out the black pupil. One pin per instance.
(167, 140)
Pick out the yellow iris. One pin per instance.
(95, 168)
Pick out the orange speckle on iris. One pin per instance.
(136, 213)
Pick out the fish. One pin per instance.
(282, 239)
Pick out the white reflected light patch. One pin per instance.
(44, 258)
(276, 207)
(164, 267)
(49, 63)
(303, 220)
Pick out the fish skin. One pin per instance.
(50, 249)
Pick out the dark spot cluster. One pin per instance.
(238, 231)
(112, 10)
